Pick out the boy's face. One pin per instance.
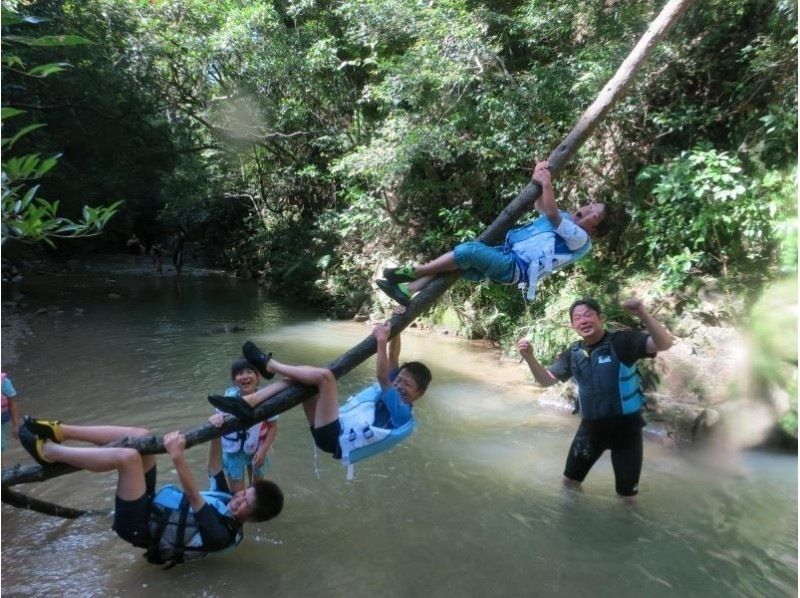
(407, 387)
(246, 381)
(589, 216)
(243, 503)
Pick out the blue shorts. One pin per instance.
(478, 261)
(235, 464)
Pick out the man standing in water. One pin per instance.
(603, 365)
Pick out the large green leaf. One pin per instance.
(44, 70)
(48, 40)
(7, 112)
(7, 143)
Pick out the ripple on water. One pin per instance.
(471, 505)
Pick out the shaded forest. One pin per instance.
(304, 144)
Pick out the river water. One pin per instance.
(471, 505)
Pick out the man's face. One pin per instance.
(243, 504)
(589, 216)
(407, 387)
(246, 381)
(587, 322)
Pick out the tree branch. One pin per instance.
(295, 394)
(17, 499)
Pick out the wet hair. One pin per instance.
(419, 372)
(607, 223)
(588, 302)
(241, 364)
(269, 500)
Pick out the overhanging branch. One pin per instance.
(494, 233)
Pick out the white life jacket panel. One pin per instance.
(361, 439)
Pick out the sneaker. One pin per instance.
(401, 274)
(394, 291)
(236, 406)
(33, 444)
(44, 428)
(257, 358)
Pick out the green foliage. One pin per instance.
(306, 144)
(774, 330)
(705, 214)
(782, 187)
(26, 215)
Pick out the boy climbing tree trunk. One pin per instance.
(494, 233)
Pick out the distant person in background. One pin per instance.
(157, 252)
(177, 250)
(135, 247)
(11, 419)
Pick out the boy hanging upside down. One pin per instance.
(142, 517)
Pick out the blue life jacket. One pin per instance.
(606, 386)
(174, 532)
(360, 438)
(533, 256)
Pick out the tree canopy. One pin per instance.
(305, 142)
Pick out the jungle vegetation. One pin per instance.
(306, 143)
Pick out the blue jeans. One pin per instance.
(478, 261)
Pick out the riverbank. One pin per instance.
(480, 476)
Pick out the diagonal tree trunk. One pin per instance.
(295, 394)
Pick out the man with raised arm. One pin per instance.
(610, 398)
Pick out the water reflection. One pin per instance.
(472, 505)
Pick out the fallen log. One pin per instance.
(19, 500)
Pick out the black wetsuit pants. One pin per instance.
(622, 436)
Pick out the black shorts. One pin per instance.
(132, 516)
(622, 436)
(327, 438)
